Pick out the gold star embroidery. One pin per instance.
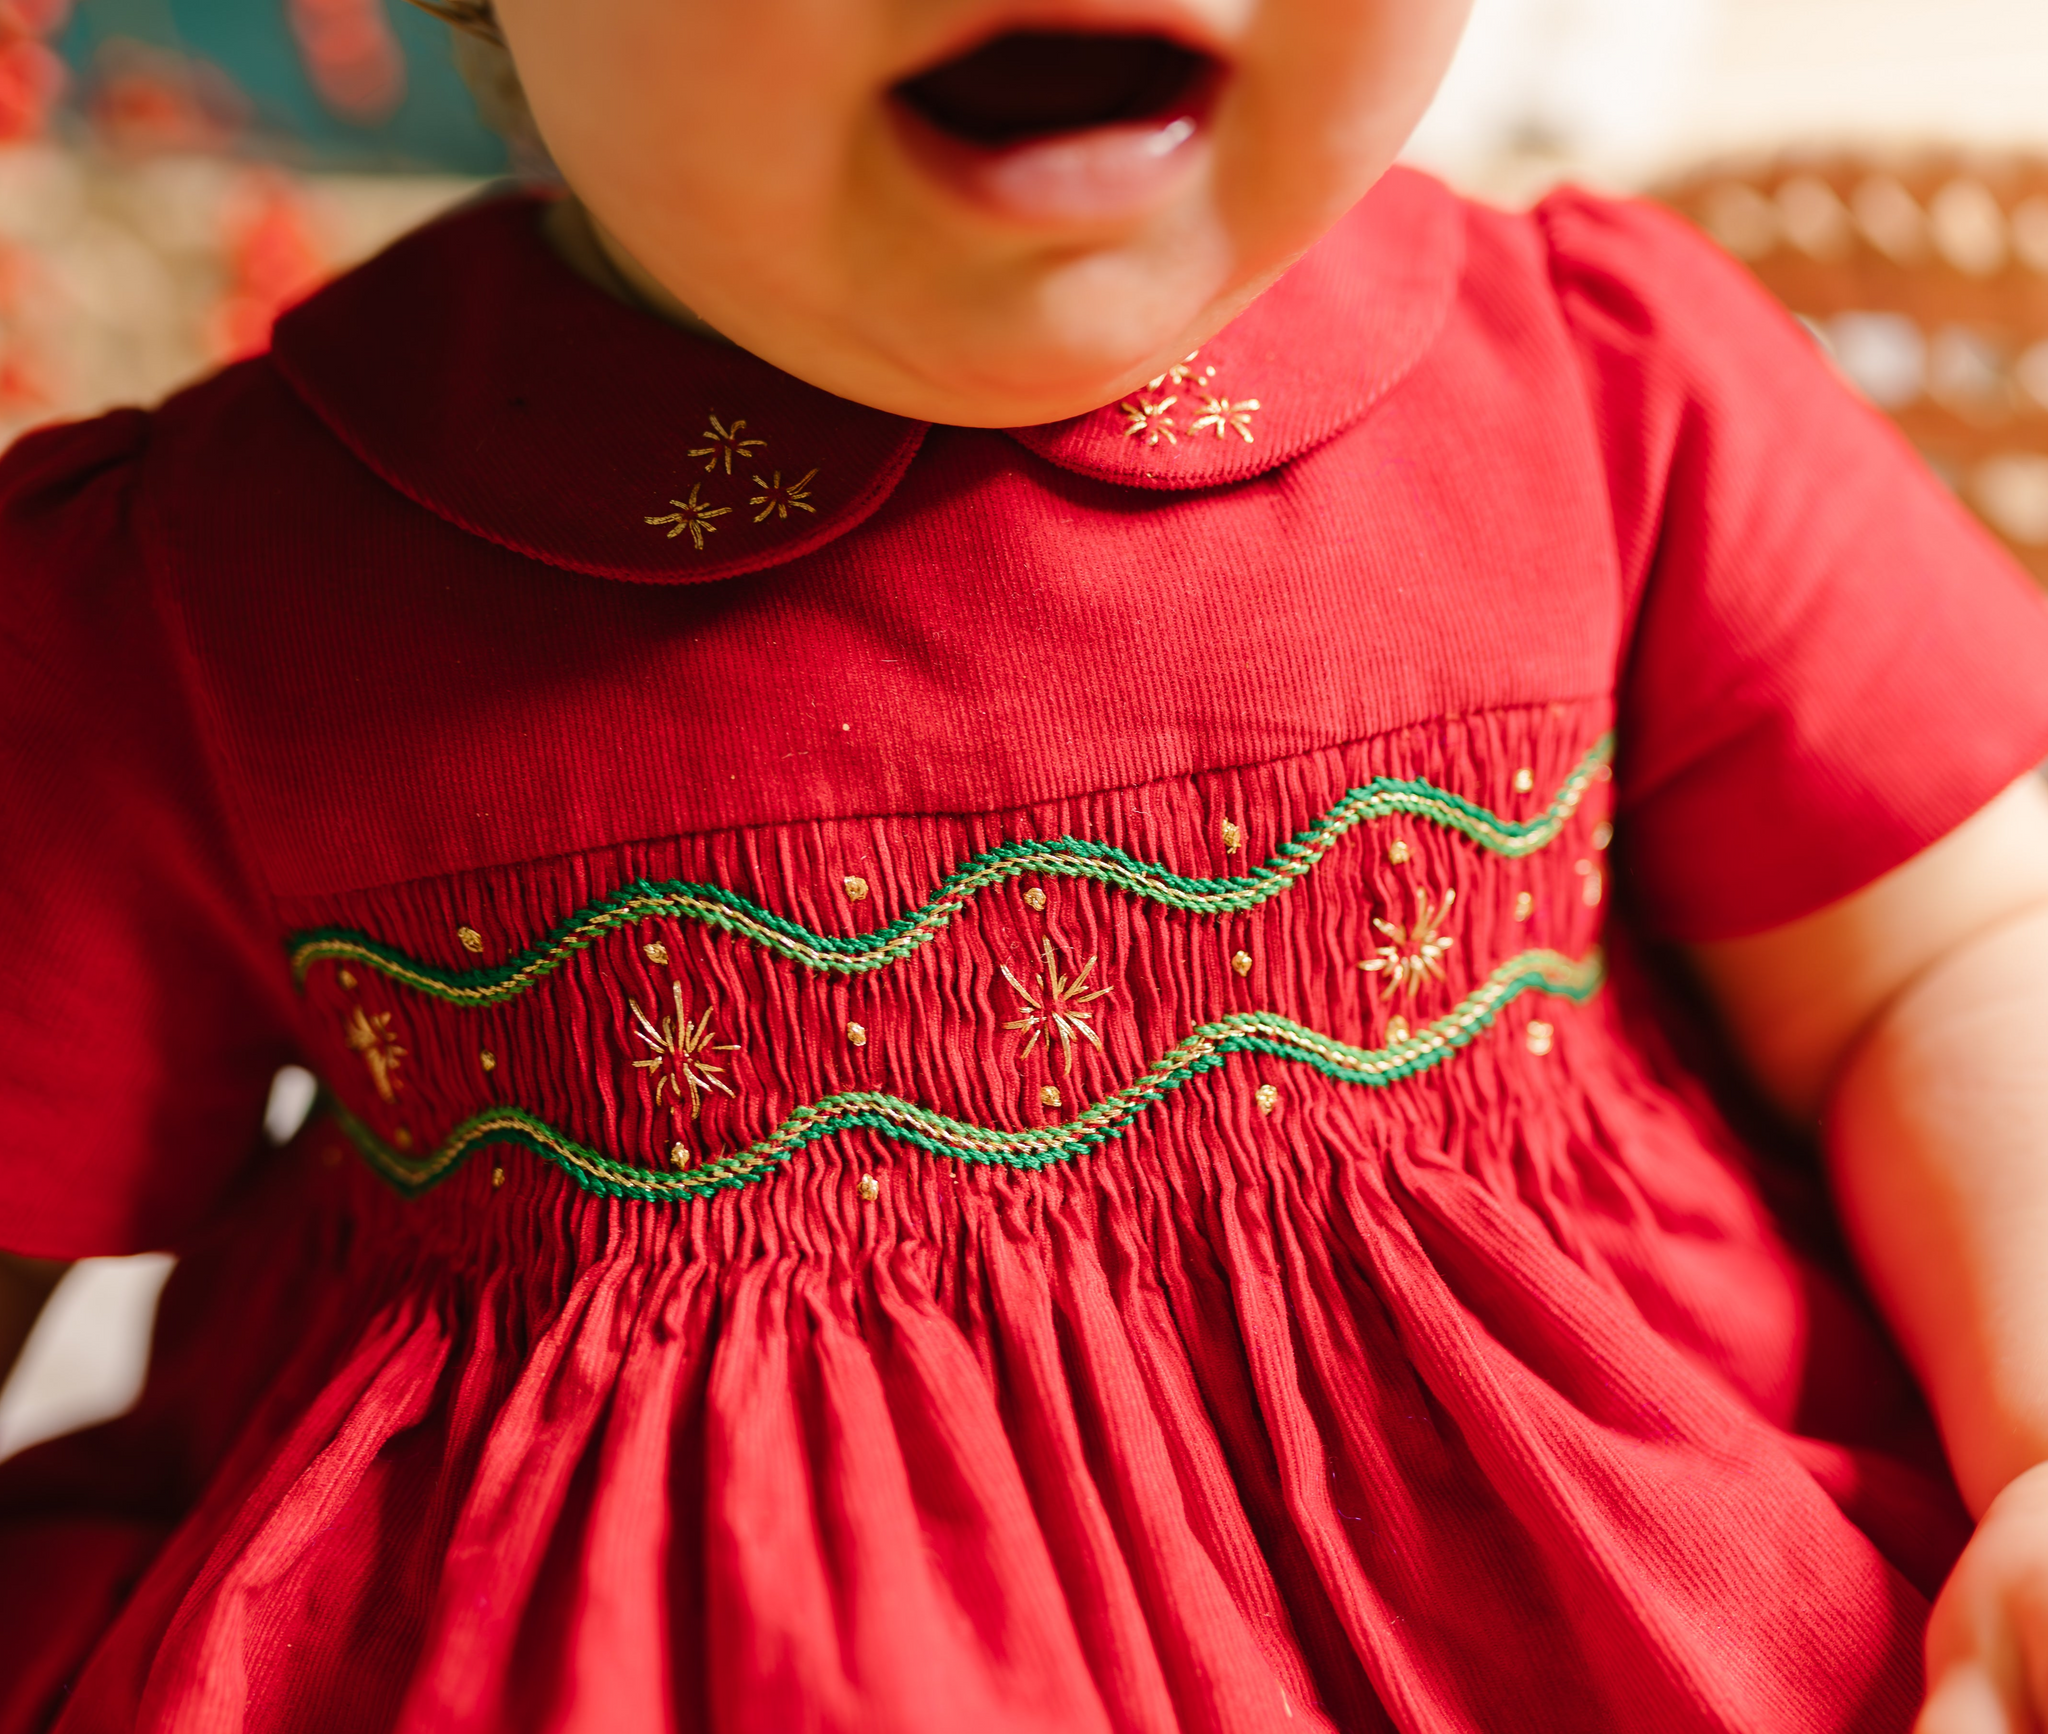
(1052, 1012)
(1149, 421)
(369, 1034)
(1225, 418)
(778, 499)
(724, 445)
(680, 1061)
(1414, 953)
(1181, 372)
(693, 515)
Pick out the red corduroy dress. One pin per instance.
(976, 1080)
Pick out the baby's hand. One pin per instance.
(1987, 1644)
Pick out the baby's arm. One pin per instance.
(1912, 1021)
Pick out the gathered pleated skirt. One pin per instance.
(1427, 1409)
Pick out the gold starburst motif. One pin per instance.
(1181, 372)
(693, 515)
(1053, 1013)
(779, 499)
(369, 1034)
(1223, 418)
(723, 444)
(1149, 421)
(1414, 953)
(681, 1063)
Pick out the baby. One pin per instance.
(991, 789)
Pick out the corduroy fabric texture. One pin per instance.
(1002, 1107)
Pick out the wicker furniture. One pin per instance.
(1927, 279)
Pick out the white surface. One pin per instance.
(1872, 71)
(291, 1100)
(1593, 81)
(85, 1362)
(1623, 92)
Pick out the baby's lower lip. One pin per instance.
(1098, 175)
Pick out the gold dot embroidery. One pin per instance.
(1048, 1095)
(488, 1060)
(1397, 852)
(402, 1138)
(1034, 898)
(1242, 963)
(1397, 1031)
(1233, 836)
(1525, 905)
(678, 1155)
(857, 1034)
(347, 978)
(1268, 1098)
(1603, 834)
(856, 888)
(471, 939)
(869, 1189)
(497, 1177)
(1525, 780)
(655, 952)
(1591, 889)
(1541, 1035)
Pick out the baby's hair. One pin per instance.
(487, 69)
(473, 17)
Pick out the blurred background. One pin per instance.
(174, 173)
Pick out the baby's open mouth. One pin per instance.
(1055, 129)
(1027, 85)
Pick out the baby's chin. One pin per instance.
(1006, 348)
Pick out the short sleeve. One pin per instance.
(141, 1013)
(1831, 665)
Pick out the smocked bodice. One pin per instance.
(671, 1019)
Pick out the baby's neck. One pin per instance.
(588, 249)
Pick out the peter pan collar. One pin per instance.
(1302, 362)
(483, 379)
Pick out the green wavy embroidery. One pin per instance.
(1063, 857)
(1207, 1047)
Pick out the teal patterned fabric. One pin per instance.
(435, 128)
